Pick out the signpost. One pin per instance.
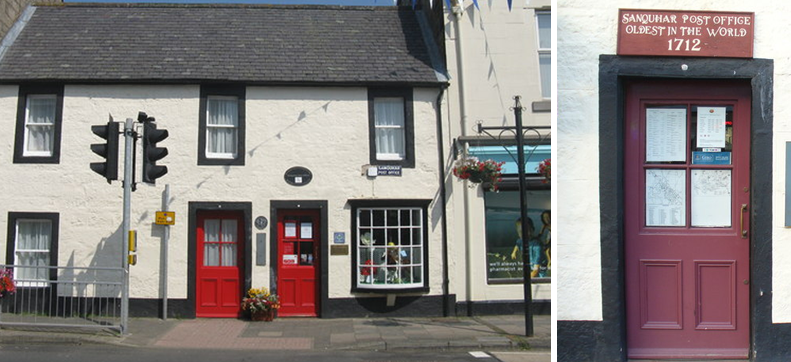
(685, 33)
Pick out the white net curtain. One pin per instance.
(222, 126)
(389, 125)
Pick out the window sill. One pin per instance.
(390, 290)
(205, 161)
(37, 159)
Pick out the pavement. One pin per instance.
(502, 336)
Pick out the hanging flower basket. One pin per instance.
(470, 169)
(7, 284)
(545, 169)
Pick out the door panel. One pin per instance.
(219, 264)
(686, 177)
(299, 238)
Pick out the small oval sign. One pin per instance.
(298, 176)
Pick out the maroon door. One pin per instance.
(298, 263)
(219, 264)
(686, 177)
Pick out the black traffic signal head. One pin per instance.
(108, 150)
(152, 153)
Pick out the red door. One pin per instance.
(298, 262)
(219, 264)
(686, 177)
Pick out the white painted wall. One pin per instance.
(500, 60)
(323, 129)
(586, 30)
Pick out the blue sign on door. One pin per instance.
(711, 158)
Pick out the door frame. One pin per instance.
(246, 208)
(321, 207)
(606, 340)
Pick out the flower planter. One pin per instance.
(266, 316)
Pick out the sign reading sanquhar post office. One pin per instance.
(685, 33)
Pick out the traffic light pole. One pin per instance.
(129, 139)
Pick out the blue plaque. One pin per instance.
(711, 158)
(339, 238)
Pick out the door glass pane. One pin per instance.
(211, 254)
(712, 135)
(711, 198)
(211, 230)
(228, 255)
(666, 134)
(229, 231)
(305, 253)
(665, 197)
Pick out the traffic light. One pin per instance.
(108, 150)
(152, 153)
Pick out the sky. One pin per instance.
(311, 2)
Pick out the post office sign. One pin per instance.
(685, 33)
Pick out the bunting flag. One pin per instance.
(449, 5)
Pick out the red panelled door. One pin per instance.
(298, 263)
(687, 219)
(219, 264)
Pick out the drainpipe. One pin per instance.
(458, 11)
(444, 199)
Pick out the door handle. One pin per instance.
(741, 221)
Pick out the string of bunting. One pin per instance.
(447, 3)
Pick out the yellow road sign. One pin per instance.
(165, 218)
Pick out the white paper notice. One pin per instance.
(666, 134)
(711, 127)
(306, 230)
(291, 230)
(711, 198)
(665, 197)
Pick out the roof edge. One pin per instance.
(433, 50)
(6, 82)
(220, 6)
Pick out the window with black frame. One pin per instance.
(390, 247)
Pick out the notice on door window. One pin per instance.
(711, 127)
(665, 197)
(290, 229)
(290, 259)
(666, 134)
(711, 198)
(306, 230)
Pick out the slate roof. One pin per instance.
(243, 43)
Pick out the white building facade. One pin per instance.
(493, 55)
(307, 170)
